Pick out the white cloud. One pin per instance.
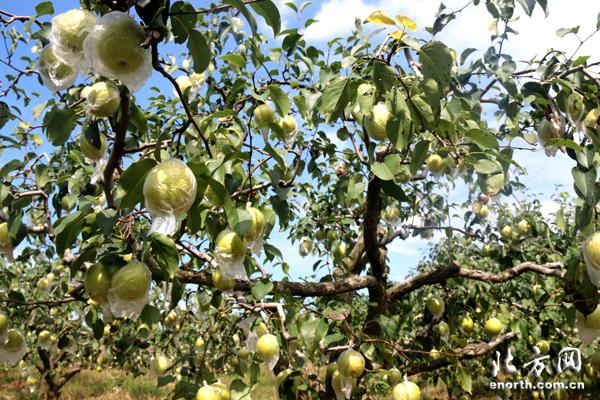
(413, 246)
(471, 28)
(336, 18)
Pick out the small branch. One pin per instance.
(271, 306)
(145, 146)
(413, 65)
(455, 271)
(471, 350)
(22, 18)
(118, 148)
(213, 10)
(186, 106)
(376, 256)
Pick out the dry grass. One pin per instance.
(89, 385)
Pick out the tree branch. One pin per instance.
(186, 106)
(214, 9)
(302, 289)
(456, 271)
(118, 148)
(375, 254)
(471, 350)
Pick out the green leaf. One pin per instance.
(487, 167)
(565, 31)
(68, 229)
(59, 123)
(270, 13)
(465, 381)
(436, 60)
(244, 10)
(10, 166)
(393, 190)
(568, 143)
(290, 42)
(483, 139)
(182, 24)
(45, 8)
(528, 6)
(234, 59)
(150, 315)
(132, 181)
(544, 5)
(465, 54)
(164, 251)
(199, 51)
(312, 332)
(261, 288)
(280, 99)
(224, 199)
(106, 219)
(585, 185)
(382, 171)
(383, 76)
(335, 98)
(5, 114)
(388, 326)
(419, 155)
(138, 119)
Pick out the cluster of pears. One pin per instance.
(230, 250)
(436, 306)
(108, 46)
(216, 391)
(516, 233)
(265, 116)
(124, 290)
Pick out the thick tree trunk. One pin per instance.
(376, 256)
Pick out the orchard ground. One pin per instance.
(115, 385)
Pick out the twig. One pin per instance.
(186, 106)
(118, 148)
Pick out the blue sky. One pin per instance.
(336, 17)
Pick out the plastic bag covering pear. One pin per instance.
(129, 290)
(255, 235)
(344, 392)
(94, 154)
(229, 254)
(113, 50)
(289, 126)
(588, 326)
(3, 328)
(548, 130)
(267, 349)
(375, 123)
(6, 246)
(69, 31)
(591, 255)
(102, 99)
(14, 349)
(55, 74)
(169, 192)
(350, 365)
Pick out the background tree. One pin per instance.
(137, 226)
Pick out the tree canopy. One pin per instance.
(155, 153)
